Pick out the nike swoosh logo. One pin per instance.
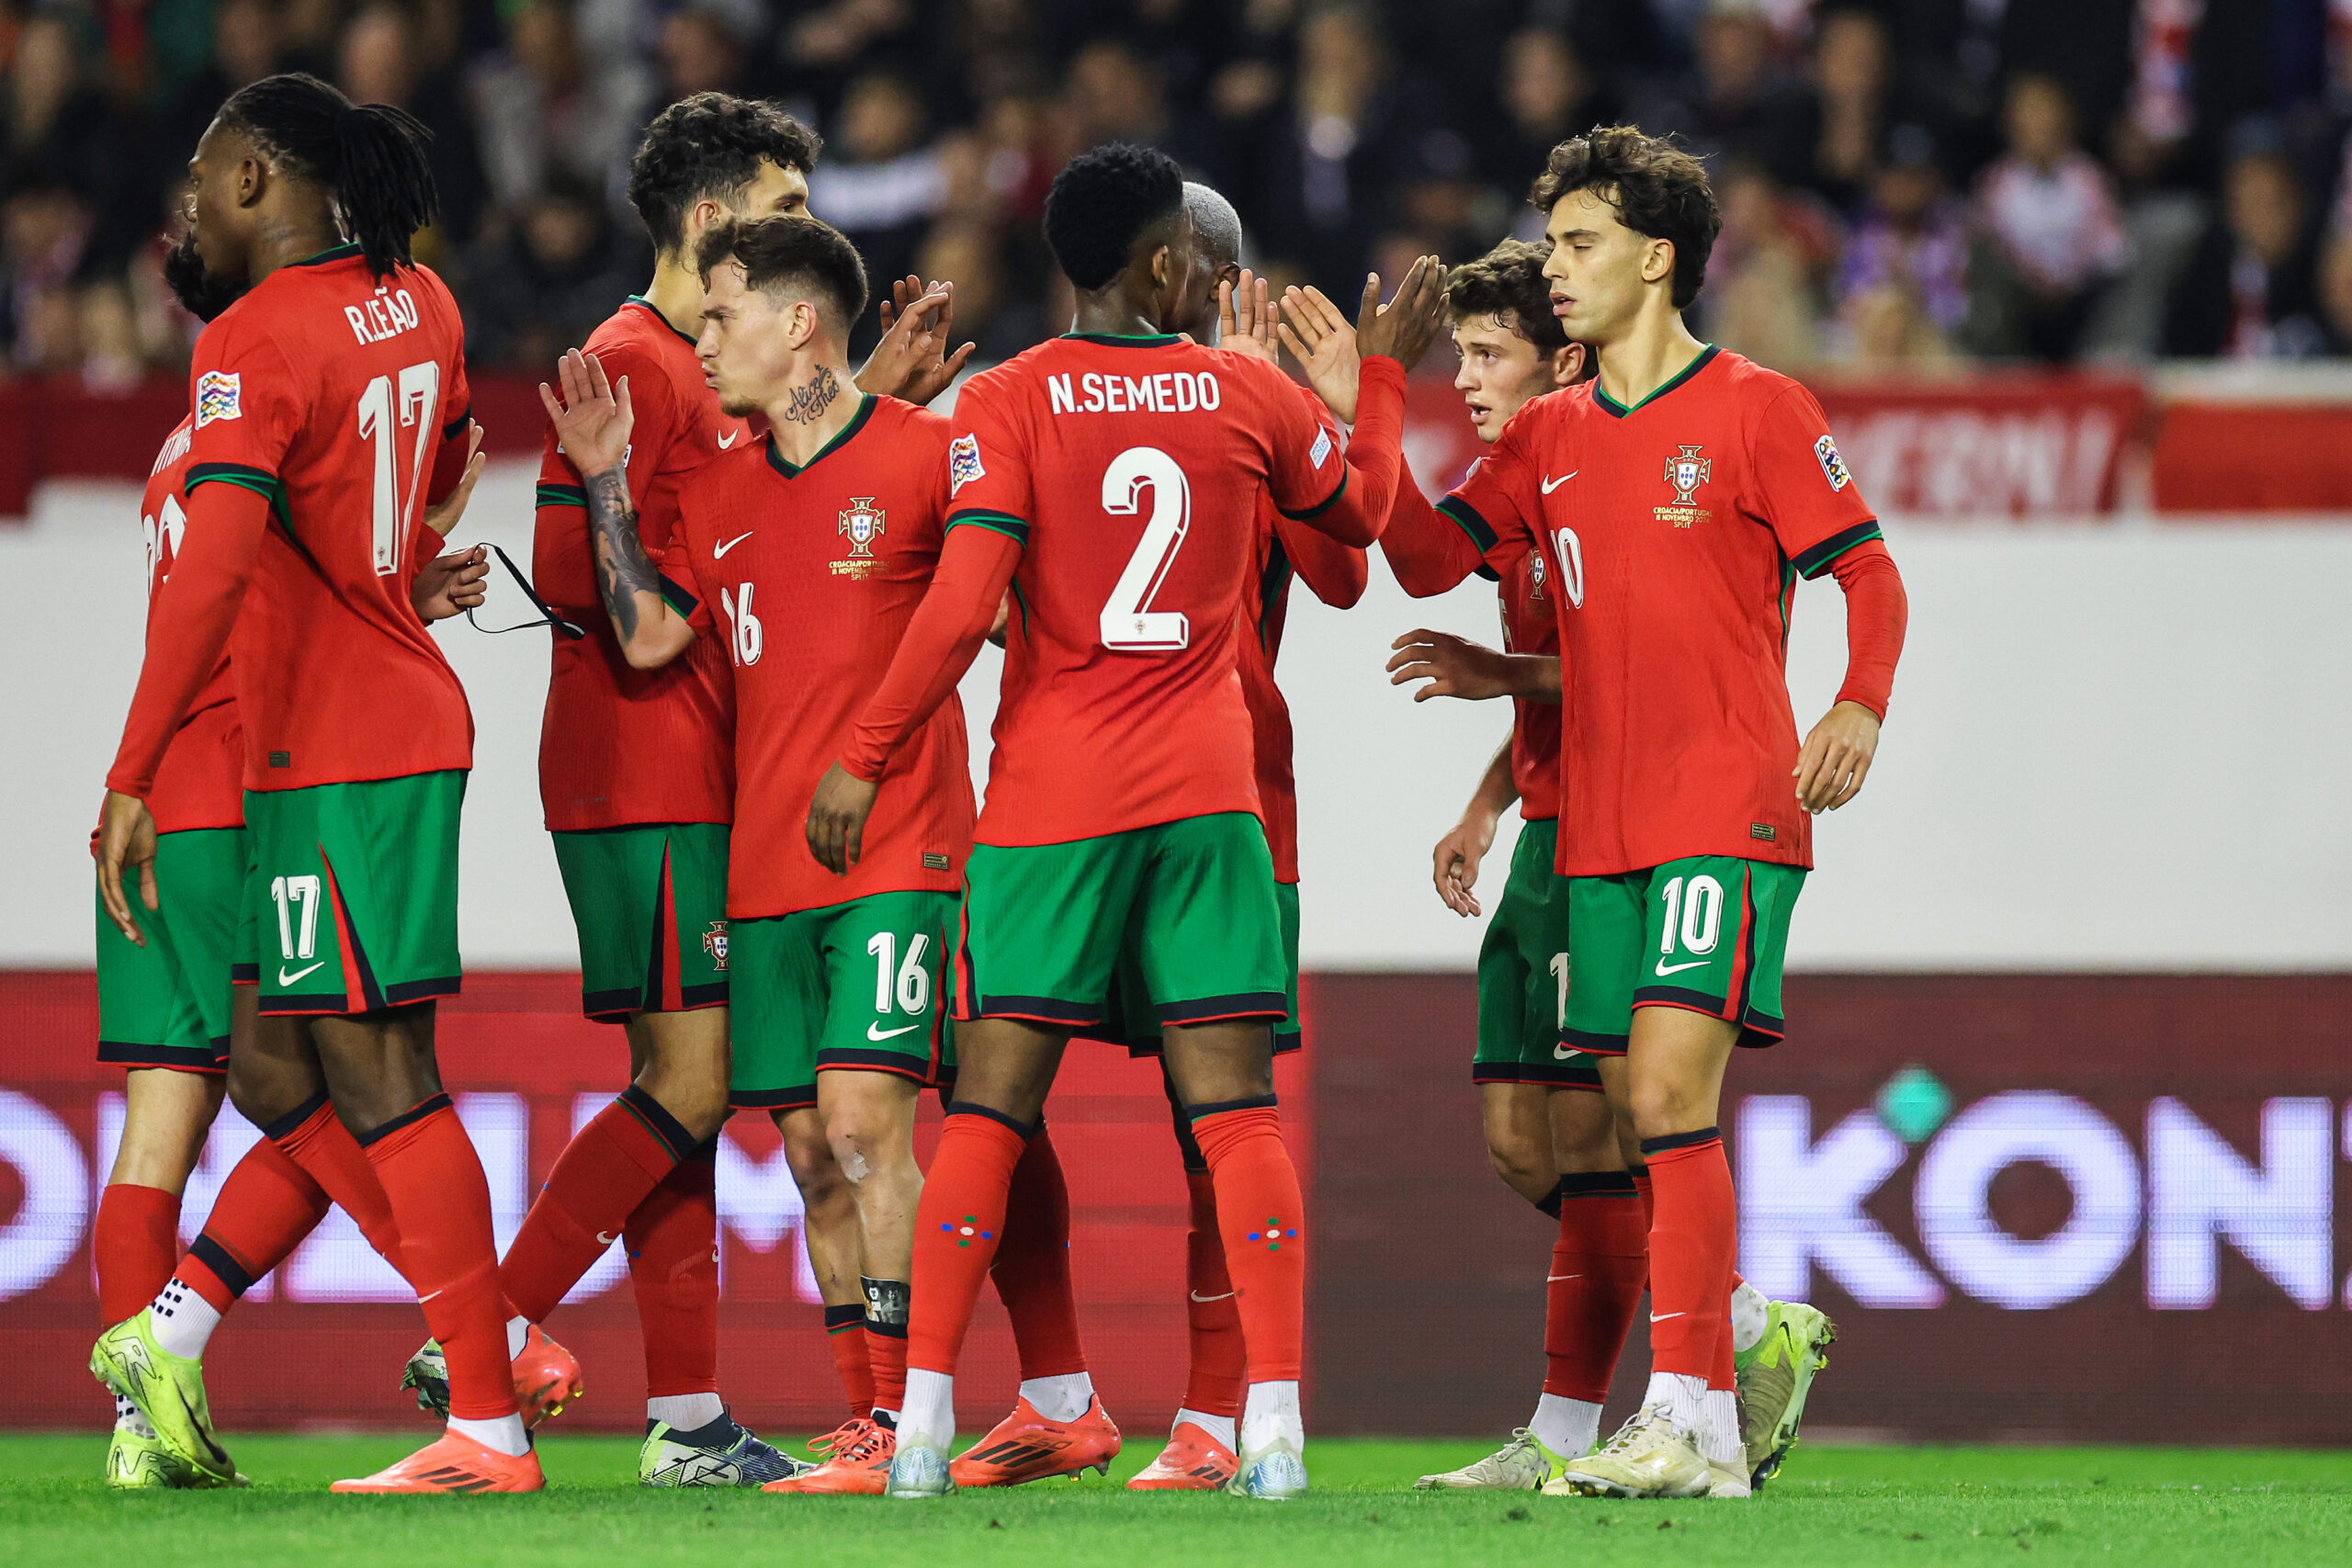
(1555, 1278)
(285, 979)
(1665, 968)
(220, 1454)
(1198, 1297)
(1551, 484)
(876, 1031)
(1661, 1317)
(422, 1300)
(604, 1240)
(729, 439)
(1562, 1053)
(730, 543)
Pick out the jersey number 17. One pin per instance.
(385, 408)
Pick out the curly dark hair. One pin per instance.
(1104, 202)
(1657, 188)
(370, 158)
(710, 145)
(791, 253)
(1507, 283)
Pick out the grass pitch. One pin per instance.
(2141, 1507)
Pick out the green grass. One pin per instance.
(2145, 1507)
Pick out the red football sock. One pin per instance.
(1262, 1221)
(134, 1242)
(1599, 1266)
(845, 1329)
(1032, 1266)
(598, 1183)
(1640, 1175)
(1694, 1236)
(441, 1203)
(316, 1139)
(886, 1353)
(1212, 1385)
(264, 1210)
(957, 1226)
(672, 1240)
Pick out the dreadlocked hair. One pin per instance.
(370, 158)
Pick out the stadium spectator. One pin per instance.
(881, 181)
(1908, 246)
(1738, 102)
(2048, 215)
(381, 61)
(1852, 78)
(544, 104)
(59, 129)
(1766, 275)
(1544, 94)
(2251, 291)
(545, 284)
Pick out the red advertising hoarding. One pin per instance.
(323, 1340)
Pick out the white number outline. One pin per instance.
(295, 890)
(908, 984)
(417, 402)
(1571, 553)
(747, 639)
(1128, 623)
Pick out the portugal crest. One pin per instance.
(714, 941)
(1686, 471)
(862, 524)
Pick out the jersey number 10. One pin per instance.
(416, 403)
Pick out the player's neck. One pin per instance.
(675, 294)
(1113, 312)
(811, 411)
(286, 241)
(1656, 349)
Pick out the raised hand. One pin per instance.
(1319, 338)
(912, 361)
(594, 419)
(1405, 327)
(1837, 758)
(443, 518)
(1245, 318)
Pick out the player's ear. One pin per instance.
(1658, 263)
(1567, 365)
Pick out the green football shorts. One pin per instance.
(649, 903)
(1709, 932)
(1523, 974)
(352, 906)
(167, 1004)
(1049, 927)
(855, 985)
(1138, 1028)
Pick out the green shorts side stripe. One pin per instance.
(1709, 933)
(650, 904)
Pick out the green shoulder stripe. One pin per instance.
(1320, 507)
(1466, 517)
(1820, 558)
(1012, 527)
(563, 495)
(677, 597)
(261, 482)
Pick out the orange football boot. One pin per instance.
(453, 1463)
(857, 1463)
(1026, 1446)
(547, 1377)
(1192, 1461)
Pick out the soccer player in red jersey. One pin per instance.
(323, 425)
(1678, 497)
(802, 556)
(638, 779)
(164, 1001)
(1121, 795)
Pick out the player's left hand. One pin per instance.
(126, 840)
(451, 585)
(1245, 318)
(1455, 866)
(1837, 758)
(836, 818)
(1405, 327)
(1453, 667)
(442, 518)
(911, 362)
(1319, 338)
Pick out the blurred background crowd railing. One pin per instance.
(1909, 185)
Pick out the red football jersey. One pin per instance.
(620, 746)
(343, 401)
(1430, 553)
(1675, 532)
(1129, 469)
(807, 579)
(201, 782)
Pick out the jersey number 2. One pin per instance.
(415, 404)
(1129, 622)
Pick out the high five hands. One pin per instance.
(1328, 349)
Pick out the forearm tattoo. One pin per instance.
(623, 569)
(813, 400)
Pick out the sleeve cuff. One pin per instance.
(1813, 561)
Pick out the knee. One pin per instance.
(862, 1149)
(259, 1097)
(1521, 1162)
(1662, 1106)
(808, 1154)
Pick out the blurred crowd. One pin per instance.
(1906, 185)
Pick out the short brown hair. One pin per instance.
(1507, 283)
(1657, 188)
(791, 254)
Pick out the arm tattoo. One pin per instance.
(813, 400)
(623, 569)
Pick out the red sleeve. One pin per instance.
(194, 612)
(449, 462)
(1333, 573)
(1429, 551)
(987, 461)
(1802, 490)
(1355, 510)
(1876, 614)
(1495, 505)
(684, 587)
(975, 566)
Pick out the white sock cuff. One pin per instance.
(502, 1434)
(1566, 1427)
(684, 1411)
(1063, 1397)
(928, 1410)
(1221, 1428)
(182, 1320)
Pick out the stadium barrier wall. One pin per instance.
(2039, 1208)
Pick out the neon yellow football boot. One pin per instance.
(168, 1391)
(1775, 1378)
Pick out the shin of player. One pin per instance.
(836, 1003)
(1147, 824)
